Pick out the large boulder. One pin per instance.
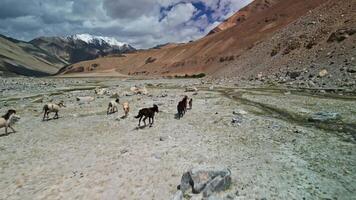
(86, 99)
(197, 179)
(324, 117)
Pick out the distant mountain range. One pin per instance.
(46, 55)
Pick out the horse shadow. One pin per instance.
(142, 127)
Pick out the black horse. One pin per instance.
(147, 112)
(182, 107)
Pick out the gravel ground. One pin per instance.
(273, 151)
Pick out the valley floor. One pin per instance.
(274, 151)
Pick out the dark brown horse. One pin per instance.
(147, 112)
(182, 107)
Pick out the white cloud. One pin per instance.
(138, 22)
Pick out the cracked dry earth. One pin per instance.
(273, 152)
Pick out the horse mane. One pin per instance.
(8, 114)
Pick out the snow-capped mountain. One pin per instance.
(80, 47)
(92, 39)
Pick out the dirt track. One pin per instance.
(273, 153)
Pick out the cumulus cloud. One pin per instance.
(142, 23)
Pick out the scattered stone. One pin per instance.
(157, 156)
(239, 112)
(100, 91)
(86, 99)
(351, 69)
(191, 89)
(236, 120)
(115, 95)
(293, 75)
(211, 87)
(323, 73)
(137, 90)
(123, 151)
(340, 35)
(162, 138)
(324, 117)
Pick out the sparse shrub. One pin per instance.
(95, 65)
(200, 75)
(150, 60)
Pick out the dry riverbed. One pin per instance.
(283, 144)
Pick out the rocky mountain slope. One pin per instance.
(316, 51)
(215, 52)
(23, 58)
(76, 48)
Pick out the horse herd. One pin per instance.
(10, 118)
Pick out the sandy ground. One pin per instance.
(273, 152)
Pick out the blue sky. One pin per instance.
(141, 23)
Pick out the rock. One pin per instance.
(293, 75)
(162, 138)
(323, 73)
(86, 99)
(186, 182)
(100, 91)
(218, 184)
(340, 35)
(123, 151)
(198, 178)
(211, 87)
(239, 112)
(351, 69)
(195, 93)
(178, 195)
(115, 95)
(324, 117)
(191, 89)
(137, 90)
(128, 94)
(236, 120)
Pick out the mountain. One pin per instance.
(222, 54)
(76, 48)
(23, 58)
(45, 56)
(243, 14)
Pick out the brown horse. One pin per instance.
(182, 107)
(147, 113)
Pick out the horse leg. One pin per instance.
(139, 121)
(144, 120)
(44, 116)
(13, 130)
(56, 115)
